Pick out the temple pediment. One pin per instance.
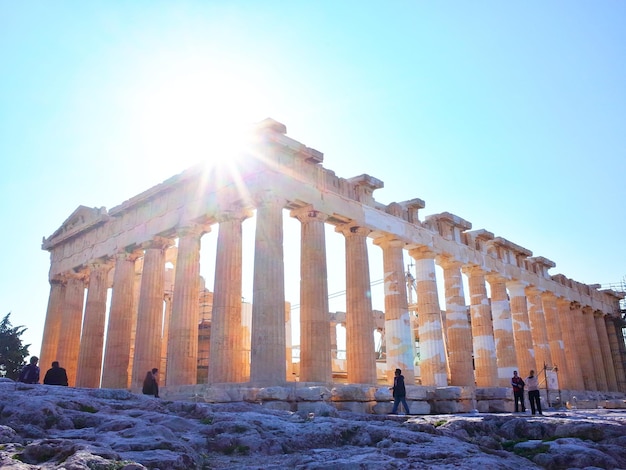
(81, 219)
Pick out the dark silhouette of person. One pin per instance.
(518, 391)
(30, 373)
(151, 383)
(56, 375)
(399, 392)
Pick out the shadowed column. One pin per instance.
(482, 329)
(594, 347)
(607, 359)
(92, 339)
(555, 339)
(538, 329)
(582, 346)
(616, 341)
(572, 354)
(182, 338)
(268, 355)
(433, 366)
(521, 329)
(150, 310)
(315, 360)
(121, 313)
(506, 357)
(52, 326)
(226, 350)
(458, 326)
(360, 348)
(71, 323)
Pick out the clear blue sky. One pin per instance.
(511, 115)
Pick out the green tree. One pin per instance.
(12, 352)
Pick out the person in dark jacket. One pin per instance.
(56, 375)
(151, 383)
(399, 392)
(518, 391)
(30, 373)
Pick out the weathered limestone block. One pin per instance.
(356, 406)
(273, 393)
(613, 404)
(494, 406)
(418, 393)
(277, 405)
(494, 393)
(317, 408)
(312, 393)
(357, 392)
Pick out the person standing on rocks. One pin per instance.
(532, 381)
(518, 391)
(399, 392)
(56, 375)
(30, 373)
(151, 383)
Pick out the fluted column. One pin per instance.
(575, 379)
(268, 360)
(607, 358)
(596, 352)
(52, 325)
(482, 329)
(71, 321)
(167, 317)
(150, 311)
(226, 350)
(315, 359)
(458, 328)
(521, 328)
(506, 357)
(538, 328)
(115, 369)
(616, 341)
(92, 338)
(433, 366)
(400, 350)
(182, 345)
(556, 339)
(583, 346)
(360, 348)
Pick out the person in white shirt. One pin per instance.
(532, 383)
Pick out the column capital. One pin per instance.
(546, 294)
(192, 229)
(266, 198)
(352, 229)
(563, 302)
(104, 264)
(517, 287)
(235, 214)
(495, 277)
(126, 255)
(308, 214)
(389, 240)
(422, 252)
(472, 270)
(157, 243)
(534, 290)
(447, 262)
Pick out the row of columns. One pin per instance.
(521, 329)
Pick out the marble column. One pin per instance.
(226, 349)
(115, 370)
(583, 346)
(555, 339)
(315, 354)
(574, 378)
(607, 358)
(360, 347)
(182, 343)
(433, 367)
(92, 339)
(596, 352)
(400, 350)
(458, 328)
(482, 329)
(538, 328)
(618, 353)
(268, 360)
(521, 329)
(506, 357)
(150, 311)
(71, 321)
(52, 325)
(167, 318)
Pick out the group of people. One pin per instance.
(532, 382)
(56, 375)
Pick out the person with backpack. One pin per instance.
(399, 392)
(30, 373)
(56, 375)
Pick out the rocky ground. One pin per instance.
(44, 427)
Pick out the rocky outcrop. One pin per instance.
(47, 427)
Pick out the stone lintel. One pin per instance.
(366, 181)
(270, 125)
(82, 219)
(477, 239)
(451, 219)
(509, 245)
(448, 225)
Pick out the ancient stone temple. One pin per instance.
(145, 303)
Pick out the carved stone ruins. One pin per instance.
(147, 251)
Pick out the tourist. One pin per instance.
(151, 383)
(56, 375)
(518, 391)
(399, 392)
(30, 373)
(533, 392)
